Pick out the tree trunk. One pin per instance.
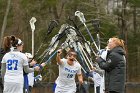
(5, 22)
(123, 21)
(124, 33)
(134, 20)
(107, 7)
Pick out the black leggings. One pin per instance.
(98, 89)
(113, 92)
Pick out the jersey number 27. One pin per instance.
(12, 64)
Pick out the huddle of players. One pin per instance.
(14, 62)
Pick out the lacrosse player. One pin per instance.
(13, 64)
(68, 68)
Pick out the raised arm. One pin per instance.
(58, 57)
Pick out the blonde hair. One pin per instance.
(118, 42)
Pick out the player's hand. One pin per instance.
(93, 69)
(37, 68)
(43, 64)
(32, 63)
(59, 52)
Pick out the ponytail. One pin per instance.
(122, 44)
(7, 43)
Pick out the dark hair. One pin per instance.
(71, 51)
(11, 41)
(14, 41)
(6, 43)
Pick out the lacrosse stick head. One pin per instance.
(52, 25)
(32, 21)
(64, 45)
(63, 27)
(96, 24)
(81, 16)
(71, 34)
(29, 55)
(71, 31)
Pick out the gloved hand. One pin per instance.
(38, 78)
(89, 74)
(99, 59)
(40, 66)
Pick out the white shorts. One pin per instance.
(65, 90)
(10, 87)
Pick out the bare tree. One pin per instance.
(5, 21)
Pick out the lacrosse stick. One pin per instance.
(51, 26)
(80, 15)
(84, 54)
(63, 46)
(96, 26)
(81, 35)
(72, 43)
(81, 66)
(83, 60)
(87, 47)
(80, 54)
(32, 24)
(54, 42)
(49, 50)
(54, 47)
(71, 35)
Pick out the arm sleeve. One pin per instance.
(111, 63)
(102, 63)
(27, 69)
(3, 69)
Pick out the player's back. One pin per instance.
(15, 61)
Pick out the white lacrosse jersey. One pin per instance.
(98, 81)
(15, 61)
(31, 79)
(97, 78)
(66, 78)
